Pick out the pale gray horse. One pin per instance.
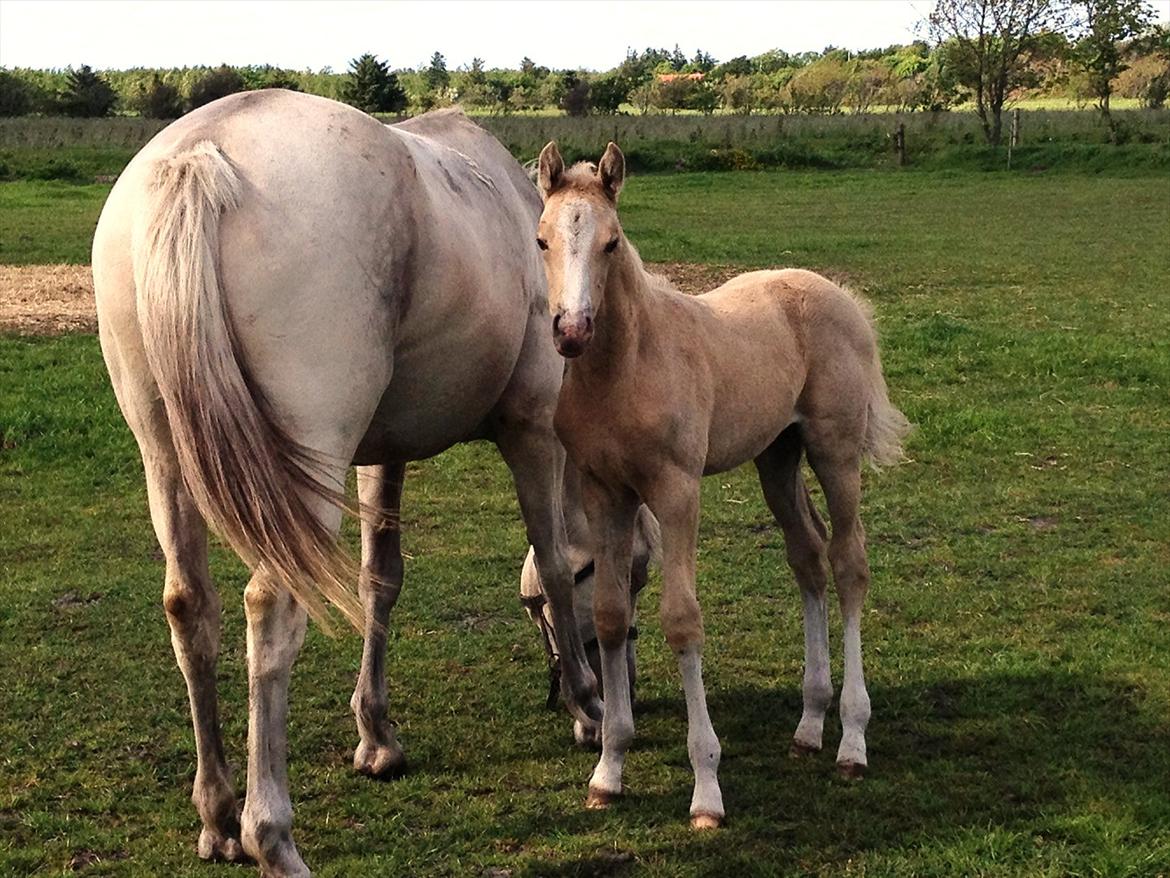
(284, 287)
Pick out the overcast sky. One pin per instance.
(571, 34)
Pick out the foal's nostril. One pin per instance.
(557, 324)
(588, 324)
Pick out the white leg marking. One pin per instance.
(702, 744)
(818, 684)
(617, 726)
(854, 698)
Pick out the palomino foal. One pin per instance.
(665, 388)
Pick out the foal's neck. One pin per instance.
(623, 317)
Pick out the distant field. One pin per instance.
(1017, 634)
(80, 149)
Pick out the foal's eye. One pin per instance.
(542, 243)
(612, 245)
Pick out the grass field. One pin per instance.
(1017, 634)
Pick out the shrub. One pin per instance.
(15, 95)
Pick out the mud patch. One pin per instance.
(55, 299)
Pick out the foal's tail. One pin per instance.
(249, 478)
(885, 425)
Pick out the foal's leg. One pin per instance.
(676, 503)
(193, 613)
(837, 464)
(276, 630)
(378, 754)
(804, 538)
(611, 523)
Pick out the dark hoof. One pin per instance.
(599, 800)
(800, 750)
(703, 820)
(851, 770)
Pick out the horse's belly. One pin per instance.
(436, 398)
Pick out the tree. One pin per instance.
(438, 79)
(159, 100)
(989, 44)
(86, 93)
(607, 92)
(1106, 24)
(576, 99)
(216, 84)
(371, 86)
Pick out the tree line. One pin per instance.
(980, 52)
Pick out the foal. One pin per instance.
(665, 388)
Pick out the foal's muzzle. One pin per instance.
(572, 333)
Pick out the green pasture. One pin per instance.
(1017, 634)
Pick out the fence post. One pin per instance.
(900, 143)
(1016, 127)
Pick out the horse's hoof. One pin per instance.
(851, 770)
(218, 848)
(599, 800)
(379, 762)
(801, 750)
(703, 820)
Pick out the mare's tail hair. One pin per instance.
(249, 478)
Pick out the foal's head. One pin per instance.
(579, 234)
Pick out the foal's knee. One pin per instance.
(682, 620)
(848, 558)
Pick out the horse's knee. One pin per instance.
(185, 601)
(848, 559)
(682, 620)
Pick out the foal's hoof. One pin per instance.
(218, 848)
(379, 761)
(704, 820)
(599, 799)
(851, 770)
(801, 750)
(587, 736)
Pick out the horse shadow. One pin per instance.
(948, 757)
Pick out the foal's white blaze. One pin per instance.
(577, 228)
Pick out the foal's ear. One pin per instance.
(612, 170)
(550, 168)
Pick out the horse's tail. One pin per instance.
(885, 425)
(251, 481)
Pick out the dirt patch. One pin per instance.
(46, 299)
(54, 299)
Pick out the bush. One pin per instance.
(219, 83)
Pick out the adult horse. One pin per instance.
(284, 287)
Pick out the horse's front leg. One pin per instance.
(378, 753)
(611, 513)
(536, 459)
(675, 500)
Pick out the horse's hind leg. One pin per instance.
(193, 613)
(805, 540)
(378, 754)
(834, 450)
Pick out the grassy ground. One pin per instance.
(1017, 634)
